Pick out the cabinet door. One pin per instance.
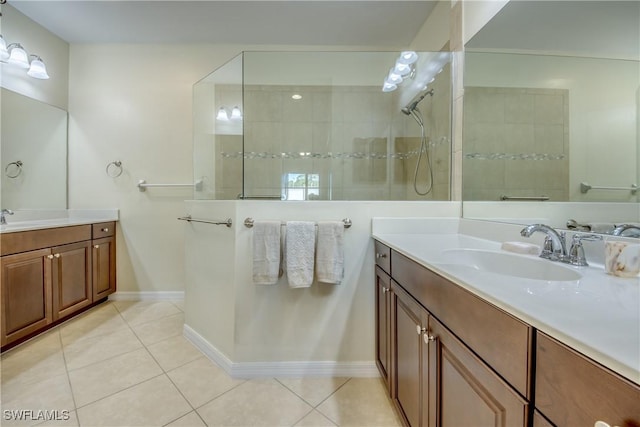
(408, 358)
(572, 390)
(104, 267)
(467, 392)
(25, 293)
(383, 324)
(71, 270)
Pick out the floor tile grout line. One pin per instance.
(153, 320)
(116, 392)
(66, 368)
(244, 381)
(303, 417)
(331, 394)
(108, 358)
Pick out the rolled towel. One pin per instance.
(300, 246)
(600, 227)
(330, 252)
(266, 252)
(521, 248)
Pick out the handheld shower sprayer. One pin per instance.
(411, 109)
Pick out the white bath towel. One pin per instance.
(266, 252)
(299, 248)
(330, 252)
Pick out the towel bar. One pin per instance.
(226, 222)
(248, 222)
(584, 187)
(143, 185)
(525, 198)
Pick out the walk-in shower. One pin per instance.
(317, 126)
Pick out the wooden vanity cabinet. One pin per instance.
(572, 390)
(25, 294)
(51, 274)
(104, 260)
(383, 325)
(71, 278)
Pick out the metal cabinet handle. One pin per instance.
(385, 290)
(602, 424)
(50, 256)
(105, 230)
(96, 246)
(378, 255)
(428, 338)
(420, 330)
(56, 255)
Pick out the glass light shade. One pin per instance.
(4, 54)
(402, 69)
(222, 115)
(236, 114)
(37, 69)
(18, 56)
(393, 78)
(408, 57)
(389, 87)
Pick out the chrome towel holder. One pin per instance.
(248, 222)
(226, 222)
(18, 167)
(114, 169)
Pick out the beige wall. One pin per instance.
(17, 28)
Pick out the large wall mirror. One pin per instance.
(551, 113)
(33, 154)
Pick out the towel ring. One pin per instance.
(114, 169)
(18, 165)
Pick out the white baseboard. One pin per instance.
(147, 296)
(281, 369)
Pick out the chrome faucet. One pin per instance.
(624, 227)
(555, 248)
(3, 212)
(576, 253)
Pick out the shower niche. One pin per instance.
(318, 126)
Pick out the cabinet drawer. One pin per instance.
(383, 256)
(104, 229)
(500, 339)
(13, 243)
(572, 390)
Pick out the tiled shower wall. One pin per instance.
(516, 143)
(353, 137)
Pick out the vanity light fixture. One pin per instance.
(222, 115)
(236, 114)
(402, 69)
(16, 55)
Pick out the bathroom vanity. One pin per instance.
(455, 348)
(52, 271)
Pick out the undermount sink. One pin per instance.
(508, 264)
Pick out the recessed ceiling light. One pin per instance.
(296, 96)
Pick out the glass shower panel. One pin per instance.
(218, 132)
(317, 126)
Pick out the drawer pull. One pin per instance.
(420, 330)
(104, 230)
(428, 338)
(57, 255)
(378, 255)
(96, 246)
(385, 290)
(602, 424)
(50, 256)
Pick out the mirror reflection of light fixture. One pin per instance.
(236, 114)
(16, 55)
(402, 69)
(222, 115)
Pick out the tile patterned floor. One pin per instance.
(125, 363)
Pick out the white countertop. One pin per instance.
(598, 315)
(27, 221)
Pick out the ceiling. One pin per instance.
(357, 23)
(605, 28)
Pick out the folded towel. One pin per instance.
(521, 248)
(330, 252)
(266, 252)
(300, 247)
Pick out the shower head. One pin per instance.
(409, 108)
